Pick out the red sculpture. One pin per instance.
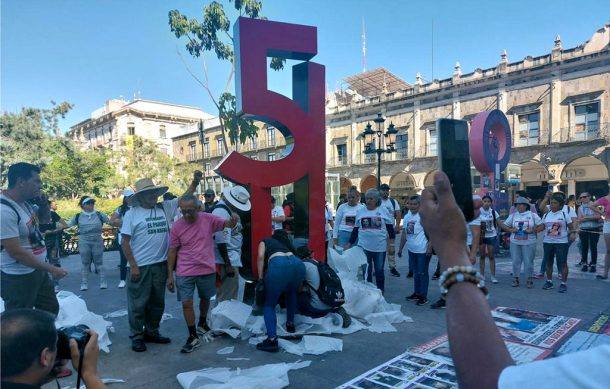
(300, 120)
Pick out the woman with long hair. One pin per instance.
(282, 272)
(489, 236)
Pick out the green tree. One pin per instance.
(70, 173)
(213, 34)
(24, 135)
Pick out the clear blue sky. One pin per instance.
(88, 51)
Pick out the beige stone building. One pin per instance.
(557, 104)
(114, 125)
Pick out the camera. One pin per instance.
(64, 334)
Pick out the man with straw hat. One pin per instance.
(145, 242)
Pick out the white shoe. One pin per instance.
(84, 286)
(494, 280)
(122, 284)
(103, 285)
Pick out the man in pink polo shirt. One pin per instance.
(191, 252)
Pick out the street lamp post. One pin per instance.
(201, 139)
(380, 147)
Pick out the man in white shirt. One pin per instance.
(25, 279)
(145, 242)
(393, 208)
(277, 215)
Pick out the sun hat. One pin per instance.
(146, 185)
(86, 200)
(522, 200)
(237, 197)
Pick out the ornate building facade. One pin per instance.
(557, 105)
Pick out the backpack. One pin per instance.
(330, 291)
(8, 204)
(98, 215)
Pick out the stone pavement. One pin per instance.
(157, 367)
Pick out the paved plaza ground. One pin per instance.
(363, 350)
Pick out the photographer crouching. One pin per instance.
(33, 351)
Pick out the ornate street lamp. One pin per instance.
(386, 142)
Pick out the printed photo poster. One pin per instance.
(601, 325)
(534, 328)
(583, 340)
(521, 353)
(408, 370)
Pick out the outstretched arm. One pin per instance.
(467, 308)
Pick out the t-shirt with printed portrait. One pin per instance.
(523, 222)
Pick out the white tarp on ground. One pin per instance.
(270, 376)
(363, 302)
(311, 344)
(73, 311)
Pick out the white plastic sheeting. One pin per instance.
(73, 311)
(311, 344)
(270, 376)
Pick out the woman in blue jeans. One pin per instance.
(372, 223)
(558, 232)
(420, 251)
(282, 272)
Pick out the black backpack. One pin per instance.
(330, 291)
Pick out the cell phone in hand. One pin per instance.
(454, 160)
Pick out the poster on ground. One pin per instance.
(533, 328)
(521, 353)
(408, 370)
(583, 340)
(601, 325)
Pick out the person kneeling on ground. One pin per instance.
(308, 299)
(29, 351)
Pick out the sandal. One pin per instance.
(530, 283)
(515, 282)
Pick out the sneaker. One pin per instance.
(592, 269)
(585, 267)
(547, 285)
(539, 276)
(515, 283)
(202, 330)
(410, 274)
(103, 285)
(290, 328)
(268, 345)
(191, 344)
(494, 280)
(84, 286)
(394, 272)
(347, 319)
(413, 297)
(122, 284)
(422, 301)
(530, 283)
(441, 303)
(157, 339)
(138, 345)
(563, 288)
(436, 276)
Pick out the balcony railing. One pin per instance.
(338, 161)
(574, 134)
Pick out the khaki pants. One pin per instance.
(146, 300)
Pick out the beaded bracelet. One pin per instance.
(457, 274)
